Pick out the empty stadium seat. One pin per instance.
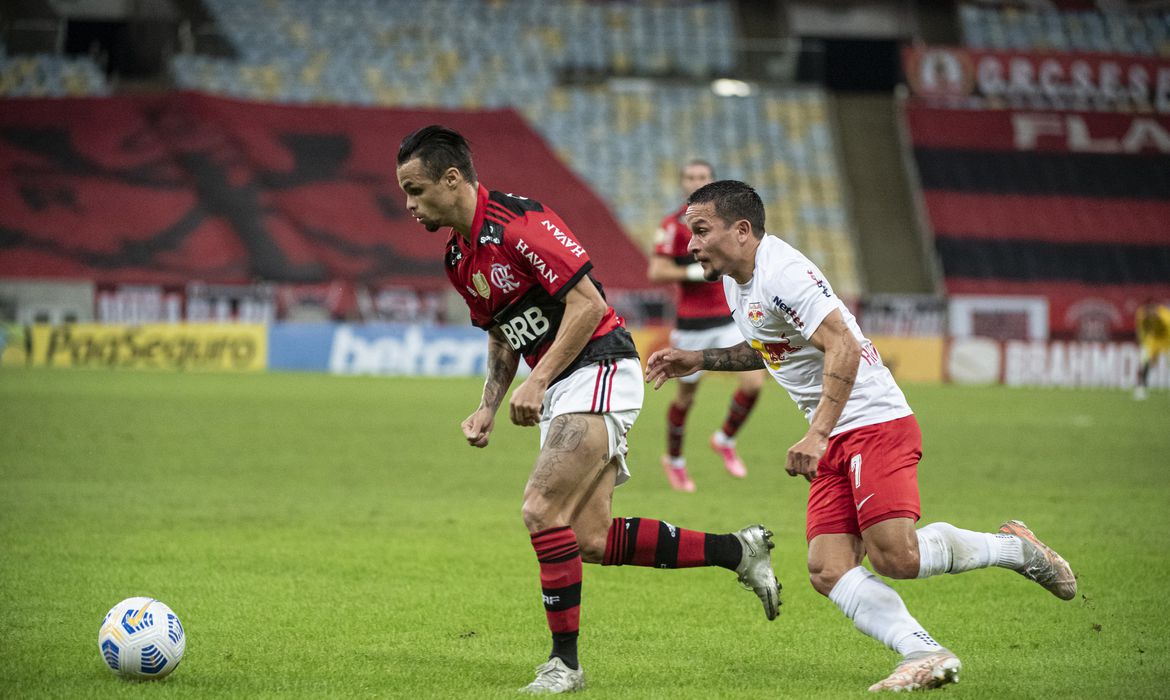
(1145, 33)
(628, 143)
(50, 75)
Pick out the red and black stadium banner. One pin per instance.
(185, 187)
(1074, 207)
(1077, 81)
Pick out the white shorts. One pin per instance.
(706, 339)
(613, 388)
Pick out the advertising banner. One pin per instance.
(1043, 132)
(1024, 363)
(188, 347)
(912, 358)
(1076, 81)
(381, 348)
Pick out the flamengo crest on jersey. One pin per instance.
(780, 309)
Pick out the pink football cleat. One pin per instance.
(677, 476)
(731, 461)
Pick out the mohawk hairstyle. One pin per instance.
(733, 200)
(438, 148)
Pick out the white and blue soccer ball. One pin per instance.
(142, 638)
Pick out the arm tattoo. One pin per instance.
(501, 369)
(842, 382)
(738, 358)
(848, 381)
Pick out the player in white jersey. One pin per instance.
(863, 444)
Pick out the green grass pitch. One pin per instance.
(334, 537)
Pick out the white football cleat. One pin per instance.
(921, 670)
(1041, 563)
(755, 568)
(553, 677)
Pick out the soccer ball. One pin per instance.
(141, 638)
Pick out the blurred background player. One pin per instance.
(1152, 323)
(525, 279)
(863, 443)
(703, 321)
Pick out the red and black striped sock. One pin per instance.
(646, 542)
(560, 587)
(676, 420)
(741, 405)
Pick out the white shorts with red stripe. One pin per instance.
(613, 388)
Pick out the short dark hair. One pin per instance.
(704, 163)
(438, 148)
(733, 200)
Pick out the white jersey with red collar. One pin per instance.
(777, 312)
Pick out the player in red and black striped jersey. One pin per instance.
(703, 322)
(526, 279)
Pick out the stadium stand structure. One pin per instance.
(1066, 202)
(50, 75)
(1084, 31)
(547, 60)
(233, 192)
(1087, 231)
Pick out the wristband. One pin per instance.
(694, 273)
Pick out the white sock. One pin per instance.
(678, 462)
(878, 611)
(722, 439)
(946, 549)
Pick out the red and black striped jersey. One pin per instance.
(700, 304)
(514, 272)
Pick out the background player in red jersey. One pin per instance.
(525, 278)
(703, 321)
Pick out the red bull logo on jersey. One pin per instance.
(775, 352)
(574, 247)
(755, 314)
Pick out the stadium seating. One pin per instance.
(49, 75)
(371, 51)
(779, 141)
(377, 52)
(1011, 28)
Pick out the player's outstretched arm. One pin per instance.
(501, 369)
(672, 362)
(737, 358)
